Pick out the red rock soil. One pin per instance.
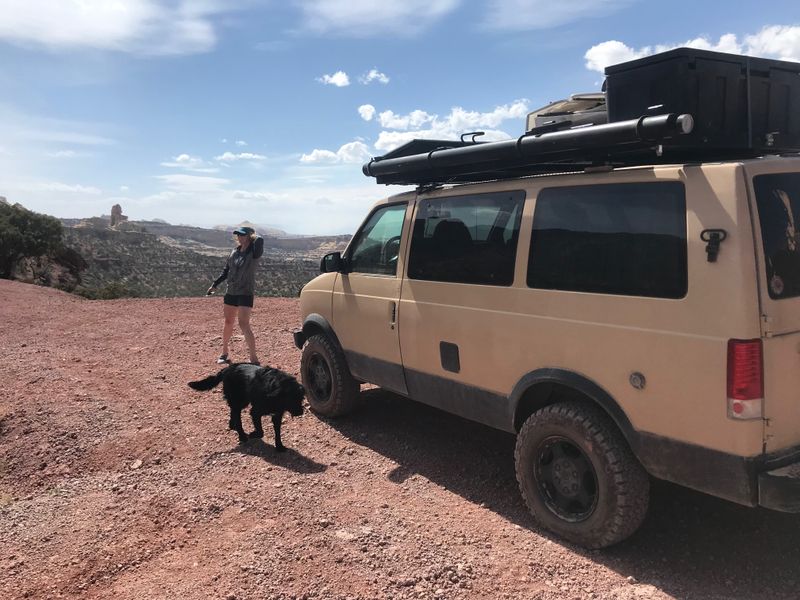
(118, 481)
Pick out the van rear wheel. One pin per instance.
(330, 388)
(578, 476)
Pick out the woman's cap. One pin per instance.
(244, 231)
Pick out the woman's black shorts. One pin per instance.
(238, 300)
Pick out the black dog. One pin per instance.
(268, 392)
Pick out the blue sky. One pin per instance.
(209, 112)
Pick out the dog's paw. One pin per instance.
(256, 435)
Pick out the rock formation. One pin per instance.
(116, 215)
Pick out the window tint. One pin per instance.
(467, 239)
(778, 199)
(627, 239)
(378, 243)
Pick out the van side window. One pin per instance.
(778, 199)
(467, 239)
(377, 245)
(626, 239)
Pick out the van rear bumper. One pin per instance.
(768, 480)
(779, 489)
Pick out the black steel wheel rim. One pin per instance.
(566, 479)
(319, 377)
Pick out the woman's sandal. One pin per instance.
(223, 360)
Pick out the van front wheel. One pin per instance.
(578, 476)
(330, 388)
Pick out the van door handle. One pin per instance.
(392, 314)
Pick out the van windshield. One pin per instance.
(778, 199)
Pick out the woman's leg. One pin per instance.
(227, 331)
(244, 323)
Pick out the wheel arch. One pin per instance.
(543, 387)
(315, 324)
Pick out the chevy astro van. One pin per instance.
(629, 309)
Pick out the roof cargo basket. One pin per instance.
(677, 106)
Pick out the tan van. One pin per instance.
(623, 322)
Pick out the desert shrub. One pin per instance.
(24, 233)
(110, 291)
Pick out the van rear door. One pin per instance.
(776, 202)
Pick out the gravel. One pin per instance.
(117, 480)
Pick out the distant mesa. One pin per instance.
(263, 230)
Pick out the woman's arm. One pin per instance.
(258, 247)
(222, 277)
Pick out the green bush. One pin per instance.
(24, 233)
(110, 291)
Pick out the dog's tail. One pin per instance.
(209, 382)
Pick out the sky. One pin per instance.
(211, 112)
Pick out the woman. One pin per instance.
(240, 270)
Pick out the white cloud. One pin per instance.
(459, 121)
(124, 188)
(339, 79)
(146, 27)
(521, 15)
(374, 75)
(305, 208)
(415, 118)
(231, 157)
(774, 41)
(240, 143)
(189, 163)
(367, 111)
(65, 137)
(320, 156)
(352, 152)
(255, 196)
(367, 18)
(63, 154)
(778, 41)
(61, 188)
(193, 183)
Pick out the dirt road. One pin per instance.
(118, 481)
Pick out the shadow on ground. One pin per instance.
(690, 546)
(291, 459)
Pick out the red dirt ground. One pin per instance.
(118, 481)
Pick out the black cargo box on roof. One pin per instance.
(739, 103)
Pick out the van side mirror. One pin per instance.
(331, 263)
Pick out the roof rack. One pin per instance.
(684, 105)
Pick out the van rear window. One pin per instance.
(778, 200)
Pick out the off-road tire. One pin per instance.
(622, 487)
(320, 357)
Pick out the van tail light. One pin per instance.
(745, 379)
